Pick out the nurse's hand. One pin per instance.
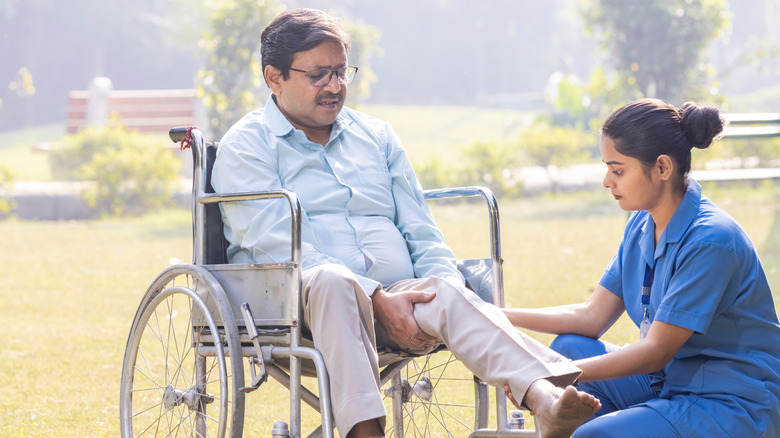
(396, 314)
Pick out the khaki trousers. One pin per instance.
(339, 315)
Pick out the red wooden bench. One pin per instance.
(147, 111)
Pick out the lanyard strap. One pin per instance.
(647, 285)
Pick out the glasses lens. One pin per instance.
(348, 74)
(320, 77)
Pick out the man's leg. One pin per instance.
(338, 313)
(481, 337)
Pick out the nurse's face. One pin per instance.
(627, 179)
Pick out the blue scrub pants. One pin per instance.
(616, 418)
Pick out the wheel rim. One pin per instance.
(432, 396)
(169, 387)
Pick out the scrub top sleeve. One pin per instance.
(695, 292)
(612, 280)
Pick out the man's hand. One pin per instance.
(395, 313)
(508, 393)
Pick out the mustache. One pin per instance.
(327, 96)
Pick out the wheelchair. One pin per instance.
(184, 373)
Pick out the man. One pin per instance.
(376, 268)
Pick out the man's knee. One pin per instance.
(329, 273)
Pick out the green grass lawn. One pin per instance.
(70, 290)
(17, 151)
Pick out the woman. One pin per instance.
(707, 362)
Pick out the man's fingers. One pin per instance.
(508, 392)
(422, 297)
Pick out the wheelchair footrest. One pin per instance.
(258, 377)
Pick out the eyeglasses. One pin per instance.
(320, 77)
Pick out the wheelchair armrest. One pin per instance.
(292, 200)
(492, 205)
(481, 277)
(460, 192)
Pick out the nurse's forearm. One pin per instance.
(649, 355)
(591, 318)
(554, 320)
(630, 361)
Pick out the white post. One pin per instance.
(97, 105)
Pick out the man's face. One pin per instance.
(309, 108)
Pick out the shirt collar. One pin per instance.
(685, 213)
(675, 229)
(281, 127)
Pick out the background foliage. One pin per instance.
(6, 182)
(130, 173)
(660, 46)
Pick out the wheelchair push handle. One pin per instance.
(178, 133)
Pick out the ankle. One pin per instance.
(541, 394)
(366, 429)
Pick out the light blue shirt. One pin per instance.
(708, 279)
(362, 205)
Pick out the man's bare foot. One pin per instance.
(366, 429)
(559, 412)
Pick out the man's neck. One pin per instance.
(319, 136)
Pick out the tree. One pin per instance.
(659, 45)
(232, 84)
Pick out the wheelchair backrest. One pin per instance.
(216, 244)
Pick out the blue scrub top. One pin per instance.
(708, 279)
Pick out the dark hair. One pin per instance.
(647, 128)
(297, 30)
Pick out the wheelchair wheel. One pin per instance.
(183, 364)
(435, 396)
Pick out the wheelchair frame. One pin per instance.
(222, 298)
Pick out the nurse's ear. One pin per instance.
(664, 167)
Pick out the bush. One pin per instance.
(132, 173)
(551, 146)
(497, 165)
(490, 165)
(6, 181)
(494, 165)
(740, 153)
(437, 174)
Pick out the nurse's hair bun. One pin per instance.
(701, 124)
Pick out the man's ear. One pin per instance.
(273, 77)
(665, 167)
